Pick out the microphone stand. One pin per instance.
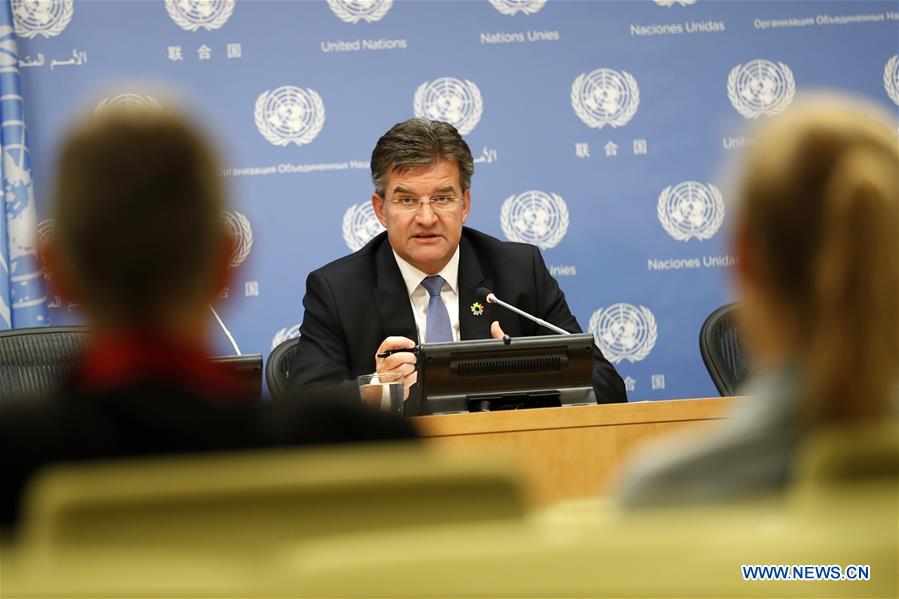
(492, 299)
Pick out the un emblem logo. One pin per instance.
(192, 15)
(45, 235)
(624, 332)
(240, 230)
(667, 3)
(605, 97)
(511, 7)
(360, 225)
(41, 17)
(127, 99)
(691, 209)
(761, 87)
(891, 78)
(535, 217)
(289, 115)
(284, 334)
(353, 11)
(448, 99)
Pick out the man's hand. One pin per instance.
(402, 362)
(496, 331)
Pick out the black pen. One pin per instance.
(390, 352)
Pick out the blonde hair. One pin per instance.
(138, 213)
(821, 218)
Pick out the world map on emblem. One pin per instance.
(691, 210)
(192, 15)
(605, 97)
(535, 217)
(761, 87)
(46, 18)
(289, 114)
(624, 332)
(360, 225)
(452, 100)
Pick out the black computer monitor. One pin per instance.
(247, 370)
(496, 374)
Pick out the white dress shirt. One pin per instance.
(418, 295)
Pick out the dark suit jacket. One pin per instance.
(354, 303)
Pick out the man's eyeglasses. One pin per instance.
(407, 203)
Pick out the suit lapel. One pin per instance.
(471, 276)
(391, 300)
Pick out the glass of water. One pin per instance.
(382, 391)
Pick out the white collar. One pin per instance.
(413, 277)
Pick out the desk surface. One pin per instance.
(676, 410)
(569, 452)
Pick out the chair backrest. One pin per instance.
(840, 508)
(849, 454)
(34, 360)
(721, 346)
(686, 548)
(277, 369)
(248, 500)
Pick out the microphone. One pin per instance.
(227, 332)
(487, 296)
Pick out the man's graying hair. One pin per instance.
(416, 143)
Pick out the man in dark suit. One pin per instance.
(418, 280)
(141, 245)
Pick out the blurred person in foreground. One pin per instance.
(141, 244)
(817, 240)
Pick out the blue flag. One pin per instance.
(23, 302)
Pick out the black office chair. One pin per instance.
(277, 369)
(33, 361)
(721, 346)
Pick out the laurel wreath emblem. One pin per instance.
(752, 113)
(468, 122)
(284, 334)
(55, 26)
(708, 230)
(239, 227)
(375, 13)
(355, 235)
(305, 136)
(511, 7)
(127, 99)
(513, 234)
(638, 353)
(223, 10)
(598, 122)
(891, 78)
(45, 230)
(348, 230)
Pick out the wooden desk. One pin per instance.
(568, 452)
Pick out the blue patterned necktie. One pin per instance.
(437, 327)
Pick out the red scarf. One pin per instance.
(124, 359)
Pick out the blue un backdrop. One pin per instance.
(601, 132)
